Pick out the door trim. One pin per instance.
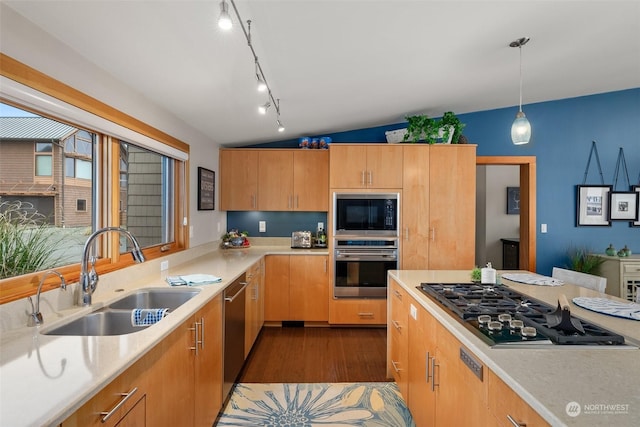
(527, 166)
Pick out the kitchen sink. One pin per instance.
(99, 323)
(115, 319)
(155, 298)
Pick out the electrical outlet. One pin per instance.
(414, 312)
(164, 265)
(321, 225)
(262, 226)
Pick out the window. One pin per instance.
(86, 155)
(43, 164)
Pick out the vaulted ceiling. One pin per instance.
(347, 64)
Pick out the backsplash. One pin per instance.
(279, 224)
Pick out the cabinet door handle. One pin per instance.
(253, 201)
(362, 178)
(433, 374)
(514, 422)
(406, 233)
(125, 397)
(195, 337)
(397, 293)
(297, 201)
(201, 333)
(433, 234)
(395, 366)
(370, 178)
(396, 324)
(427, 366)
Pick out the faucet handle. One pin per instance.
(35, 317)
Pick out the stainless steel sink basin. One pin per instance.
(99, 323)
(155, 298)
(115, 319)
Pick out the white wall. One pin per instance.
(25, 42)
(493, 223)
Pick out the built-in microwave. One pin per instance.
(362, 214)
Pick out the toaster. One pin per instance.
(301, 239)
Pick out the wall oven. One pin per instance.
(361, 266)
(366, 214)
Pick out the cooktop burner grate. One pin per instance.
(469, 302)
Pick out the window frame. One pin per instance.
(18, 287)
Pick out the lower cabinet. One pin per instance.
(296, 288)
(178, 382)
(398, 335)
(348, 311)
(507, 408)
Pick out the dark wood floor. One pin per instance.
(309, 355)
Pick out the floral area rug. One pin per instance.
(316, 404)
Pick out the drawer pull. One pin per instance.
(365, 314)
(397, 293)
(514, 422)
(126, 396)
(395, 366)
(396, 324)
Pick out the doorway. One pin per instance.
(527, 168)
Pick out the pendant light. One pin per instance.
(521, 128)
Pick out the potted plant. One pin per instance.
(423, 128)
(581, 259)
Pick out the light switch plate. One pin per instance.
(543, 228)
(262, 226)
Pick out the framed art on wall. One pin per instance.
(206, 189)
(636, 223)
(623, 206)
(592, 205)
(513, 200)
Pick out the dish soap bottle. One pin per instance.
(488, 275)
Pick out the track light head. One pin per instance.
(262, 86)
(263, 108)
(224, 20)
(280, 126)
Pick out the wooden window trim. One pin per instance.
(14, 288)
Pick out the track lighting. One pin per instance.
(263, 108)
(224, 20)
(521, 128)
(263, 86)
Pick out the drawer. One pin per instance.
(358, 312)
(631, 268)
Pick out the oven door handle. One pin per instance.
(361, 256)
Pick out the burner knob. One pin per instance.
(516, 324)
(529, 332)
(495, 326)
(484, 319)
(506, 317)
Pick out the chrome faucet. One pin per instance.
(35, 318)
(89, 280)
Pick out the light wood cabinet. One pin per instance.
(296, 288)
(365, 166)
(274, 180)
(398, 334)
(507, 408)
(238, 180)
(254, 308)
(436, 378)
(438, 207)
(348, 311)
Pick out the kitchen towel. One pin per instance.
(626, 310)
(193, 280)
(147, 316)
(532, 279)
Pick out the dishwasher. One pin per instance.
(234, 319)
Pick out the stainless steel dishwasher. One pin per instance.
(234, 318)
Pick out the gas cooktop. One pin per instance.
(503, 317)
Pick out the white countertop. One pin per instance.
(550, 378)
(45, 378)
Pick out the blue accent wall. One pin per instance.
(562, 133)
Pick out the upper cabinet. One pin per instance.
(238, 180)
(279, 180)
(438, 209)
(365, 166)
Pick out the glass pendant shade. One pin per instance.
(224, 20)
(520, 129)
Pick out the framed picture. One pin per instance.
(592, 205)
(206, 189)
(636, 223)
(513, 200)
(623, 206)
